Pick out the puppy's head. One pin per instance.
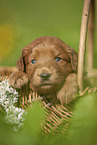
(47, 61)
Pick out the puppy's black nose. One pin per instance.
(45, 76)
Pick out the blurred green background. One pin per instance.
(22, 21)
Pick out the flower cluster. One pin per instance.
(8, 98)
(15, 116)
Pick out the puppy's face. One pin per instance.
(47, 68)
(47, 65)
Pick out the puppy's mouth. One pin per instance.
(46, 88)
(46, 84)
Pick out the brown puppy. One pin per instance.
(50, 66)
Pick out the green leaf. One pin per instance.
(83, 130)
(30, 133)
(5, 131)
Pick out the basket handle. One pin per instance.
(82, 42)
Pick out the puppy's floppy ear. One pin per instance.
(20, 77)
(73, 56)
(20, 63)
(22, 60)
(71, 53)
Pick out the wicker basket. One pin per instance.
(55, 113)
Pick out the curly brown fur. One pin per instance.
(50, 66)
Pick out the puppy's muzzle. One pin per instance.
(45, 76)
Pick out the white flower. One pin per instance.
(8, 95)
(8, 98)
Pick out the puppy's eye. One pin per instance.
(58, 59)
(33, 61)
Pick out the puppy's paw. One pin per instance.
(64, 97)
(69, 90)
(18, 79)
